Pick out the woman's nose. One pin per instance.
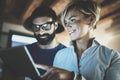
(69, 27)
(67, 24)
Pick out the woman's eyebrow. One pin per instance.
(71, 17)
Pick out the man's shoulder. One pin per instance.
(62, 45)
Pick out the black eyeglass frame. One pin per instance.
(46, 26)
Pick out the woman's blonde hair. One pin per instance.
(86, 7)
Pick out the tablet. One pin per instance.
(20, 61)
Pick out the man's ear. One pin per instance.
(56, 25)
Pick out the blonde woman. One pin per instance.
(86, 56)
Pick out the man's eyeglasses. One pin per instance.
(46, 26)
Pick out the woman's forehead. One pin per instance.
(73, 13)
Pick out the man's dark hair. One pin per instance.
(40, 12)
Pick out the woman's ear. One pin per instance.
(91, 20)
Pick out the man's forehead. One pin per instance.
(42, 19)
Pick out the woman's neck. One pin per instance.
(82, 44)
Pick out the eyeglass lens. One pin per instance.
(45, 26)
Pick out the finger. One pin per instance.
(44, 67)
(51, 75)
(47, 73)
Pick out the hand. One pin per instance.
(54, 73)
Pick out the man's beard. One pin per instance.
(45, 41)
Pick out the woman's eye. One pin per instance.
(65, 23)
(73, 20)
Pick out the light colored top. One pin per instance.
(97, 62)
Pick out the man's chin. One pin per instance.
(44, 42)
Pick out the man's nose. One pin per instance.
(41, 31)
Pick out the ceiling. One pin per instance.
(16, 11)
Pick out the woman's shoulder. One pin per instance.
(68, 49)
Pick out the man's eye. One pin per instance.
(45, 25)
(37, 26)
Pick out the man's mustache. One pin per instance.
(43, 35)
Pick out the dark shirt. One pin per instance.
(43, 56)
